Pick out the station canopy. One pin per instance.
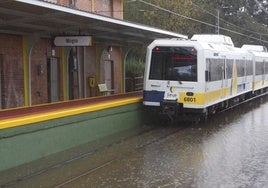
(43, 19)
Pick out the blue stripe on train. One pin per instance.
(153, 96)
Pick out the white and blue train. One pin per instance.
(202, 75)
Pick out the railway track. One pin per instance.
(155, 140)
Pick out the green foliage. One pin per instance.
(242, 20)
(243, 17)
(153, 16)
(134, 66)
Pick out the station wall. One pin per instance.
(12, 89)
(112, 8)
(38, 65)
(46, 82)
(59, 77)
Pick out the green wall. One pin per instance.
(24, 144)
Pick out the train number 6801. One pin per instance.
(189, 99)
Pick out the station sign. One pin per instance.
(73, 41)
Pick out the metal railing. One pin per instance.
(134, 83)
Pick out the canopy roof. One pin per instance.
(33, 17)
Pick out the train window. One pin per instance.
(259, 68)
(241, 67)
(266, 67)
(174, 63)
(229, 65)
(216, 68)
(250, 67)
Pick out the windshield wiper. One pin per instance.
(179, 80)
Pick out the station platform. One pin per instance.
(22, 116)
(30, 133)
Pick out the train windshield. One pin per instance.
(174, 63)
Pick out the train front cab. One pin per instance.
(171, 77)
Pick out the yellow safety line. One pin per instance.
(19, 121)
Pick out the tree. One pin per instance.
(245, 21)
(170, 15)
(241, 14)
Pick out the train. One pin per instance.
(202, 75)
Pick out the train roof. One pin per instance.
(207, 41)
(215, 39)
(254, 48)
(259, 52)
(214, 42)
(221, 42)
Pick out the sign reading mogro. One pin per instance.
(73, 41)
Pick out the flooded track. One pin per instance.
(229, 150)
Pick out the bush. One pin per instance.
(134, 67)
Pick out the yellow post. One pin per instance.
(122, 9)
(92, 5)
(25, 57)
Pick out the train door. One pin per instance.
(263, 73)
(245, 70)
(1, 80)
(52, 79)
(109, 74)
(225, 73)
(224, 77)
